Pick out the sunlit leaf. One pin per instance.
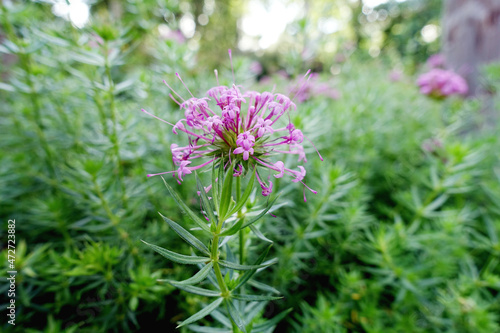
(203, 313)
(186, 235)
(202, 224)
(180, 258)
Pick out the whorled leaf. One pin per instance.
(225, 194)
(271, 322)
(258, 217)
(252, 298)
(186, 235)
(195, 290)
(245, 196)
(186, 209)
(197, 278)
(179, 258)
(236, 316)
(207, 206)
(201, 314)
(248, 275)
(240, 267)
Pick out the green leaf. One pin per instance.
(201, 314)
(239, 267)
(51, 39)
(215, 188)
(124, 85)
(438, 202)
(221, 318)
(188, 237)
(186, 209)
(204, 199)
(236, 316)
(133, 303)
(248, 275)
(225, 195)
(88, 58)
(197, 278)
(7, 87)
(269, 206)
(204, 329)
(195, 290)
(234, 229)
(251, 298)
(245, 195)
(259, 234)
(270, 323)
(220, 180)
(262, 286)
(180, 258)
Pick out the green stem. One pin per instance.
(217, 270)
(241, 232)
(102, 113)
(115, 221)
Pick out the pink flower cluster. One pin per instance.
(314, 87)
(241, 128)
(441, 83)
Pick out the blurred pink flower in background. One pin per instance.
(312, 88)
(256, 68)
(440, 83)
(436, 61)
(395, 75)
(169, 34)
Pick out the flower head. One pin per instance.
(440, 83)
(245, 129)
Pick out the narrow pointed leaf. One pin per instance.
(197, 278)
(195, 290)
(205, 329)
(215, 188)
(253, 309)
(255, 219)
(186, 209)
(201, 314)
(236, 316)
(226, 194)
(206, 203)
(262, 286)
(271, 322)
(211, 276)
(259, 234)
(221, 318)
(186, 235)
(438, 202)
(220, 180)
(248, 275)
(234, 228)
(180, 258)
(239, 267)
(244, 197)
(258, 298)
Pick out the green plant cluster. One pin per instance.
(403, 235)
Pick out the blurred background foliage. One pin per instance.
(403, 235)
